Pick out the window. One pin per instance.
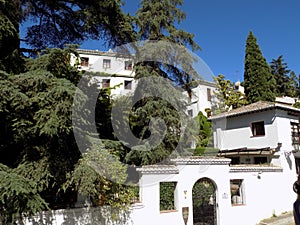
(235, 160)
(106, 63)
(295, 135)
(208, 94)
(190, 112)
(105, 83)
(237, 192)
(84, 61)
(260, 160)
(167, 195)
(127, 84)
(258, 128)
(128, 65)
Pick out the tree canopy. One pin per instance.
(227, 95)
(55, 24)
(163, 55)
(259, 82)
(285, 79)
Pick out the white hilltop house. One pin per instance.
(112, 68)
(202, 98)
(109, 69)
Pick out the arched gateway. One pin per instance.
(204, 202)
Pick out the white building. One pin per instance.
(251, 179)
(202, 98)
(109, 69)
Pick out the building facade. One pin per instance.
(109, 69)
(112, 69)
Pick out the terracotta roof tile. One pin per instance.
(255, 107)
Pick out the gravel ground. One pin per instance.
(283, 219)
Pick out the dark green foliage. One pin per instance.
(38, 144)
(100, 177)
(56, 24)
(166, 193)
(10, 17)
(297, 105)
(57, 62)
(64, 22)
(294, 84)
(18, 196)
(36, 130)
(205, 131)
(156, 21)
(171, 116)
(202, 192)
(204, 151)
(259, 82)
(228, 97)
(281, 73)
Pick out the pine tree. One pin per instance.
(295, 84)
(10, 18)
(280, 71)
(59, 23)
(157, 21)
(259, 82)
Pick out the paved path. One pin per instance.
(284, 219)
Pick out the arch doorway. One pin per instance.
(204, 202)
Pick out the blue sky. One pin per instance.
(221, 28)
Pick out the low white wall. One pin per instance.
(268, 191)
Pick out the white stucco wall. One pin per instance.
(119, 90)
(235, 132)
(267, 191)
(199, 101)
(265, 196)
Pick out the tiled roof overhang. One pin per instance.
(257, 107)
(247, 151)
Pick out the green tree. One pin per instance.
(259, 82)
(55, 24)
(10, 18)
(156, 23)
(295, 84)
(227, 95)
(37, 138)
(280, 71)
(65, 22)
(100, 177)
(18, 197)
(205, 131)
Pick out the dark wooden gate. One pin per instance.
(204, 202)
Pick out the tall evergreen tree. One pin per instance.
(295, 84)
(280, 71)
(157, 21)
(56, 23)
(259, 82)
(10, 18)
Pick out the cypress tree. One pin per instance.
(259, 82)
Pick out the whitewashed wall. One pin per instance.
(268, 191)
(199, 101)
(228, 129)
